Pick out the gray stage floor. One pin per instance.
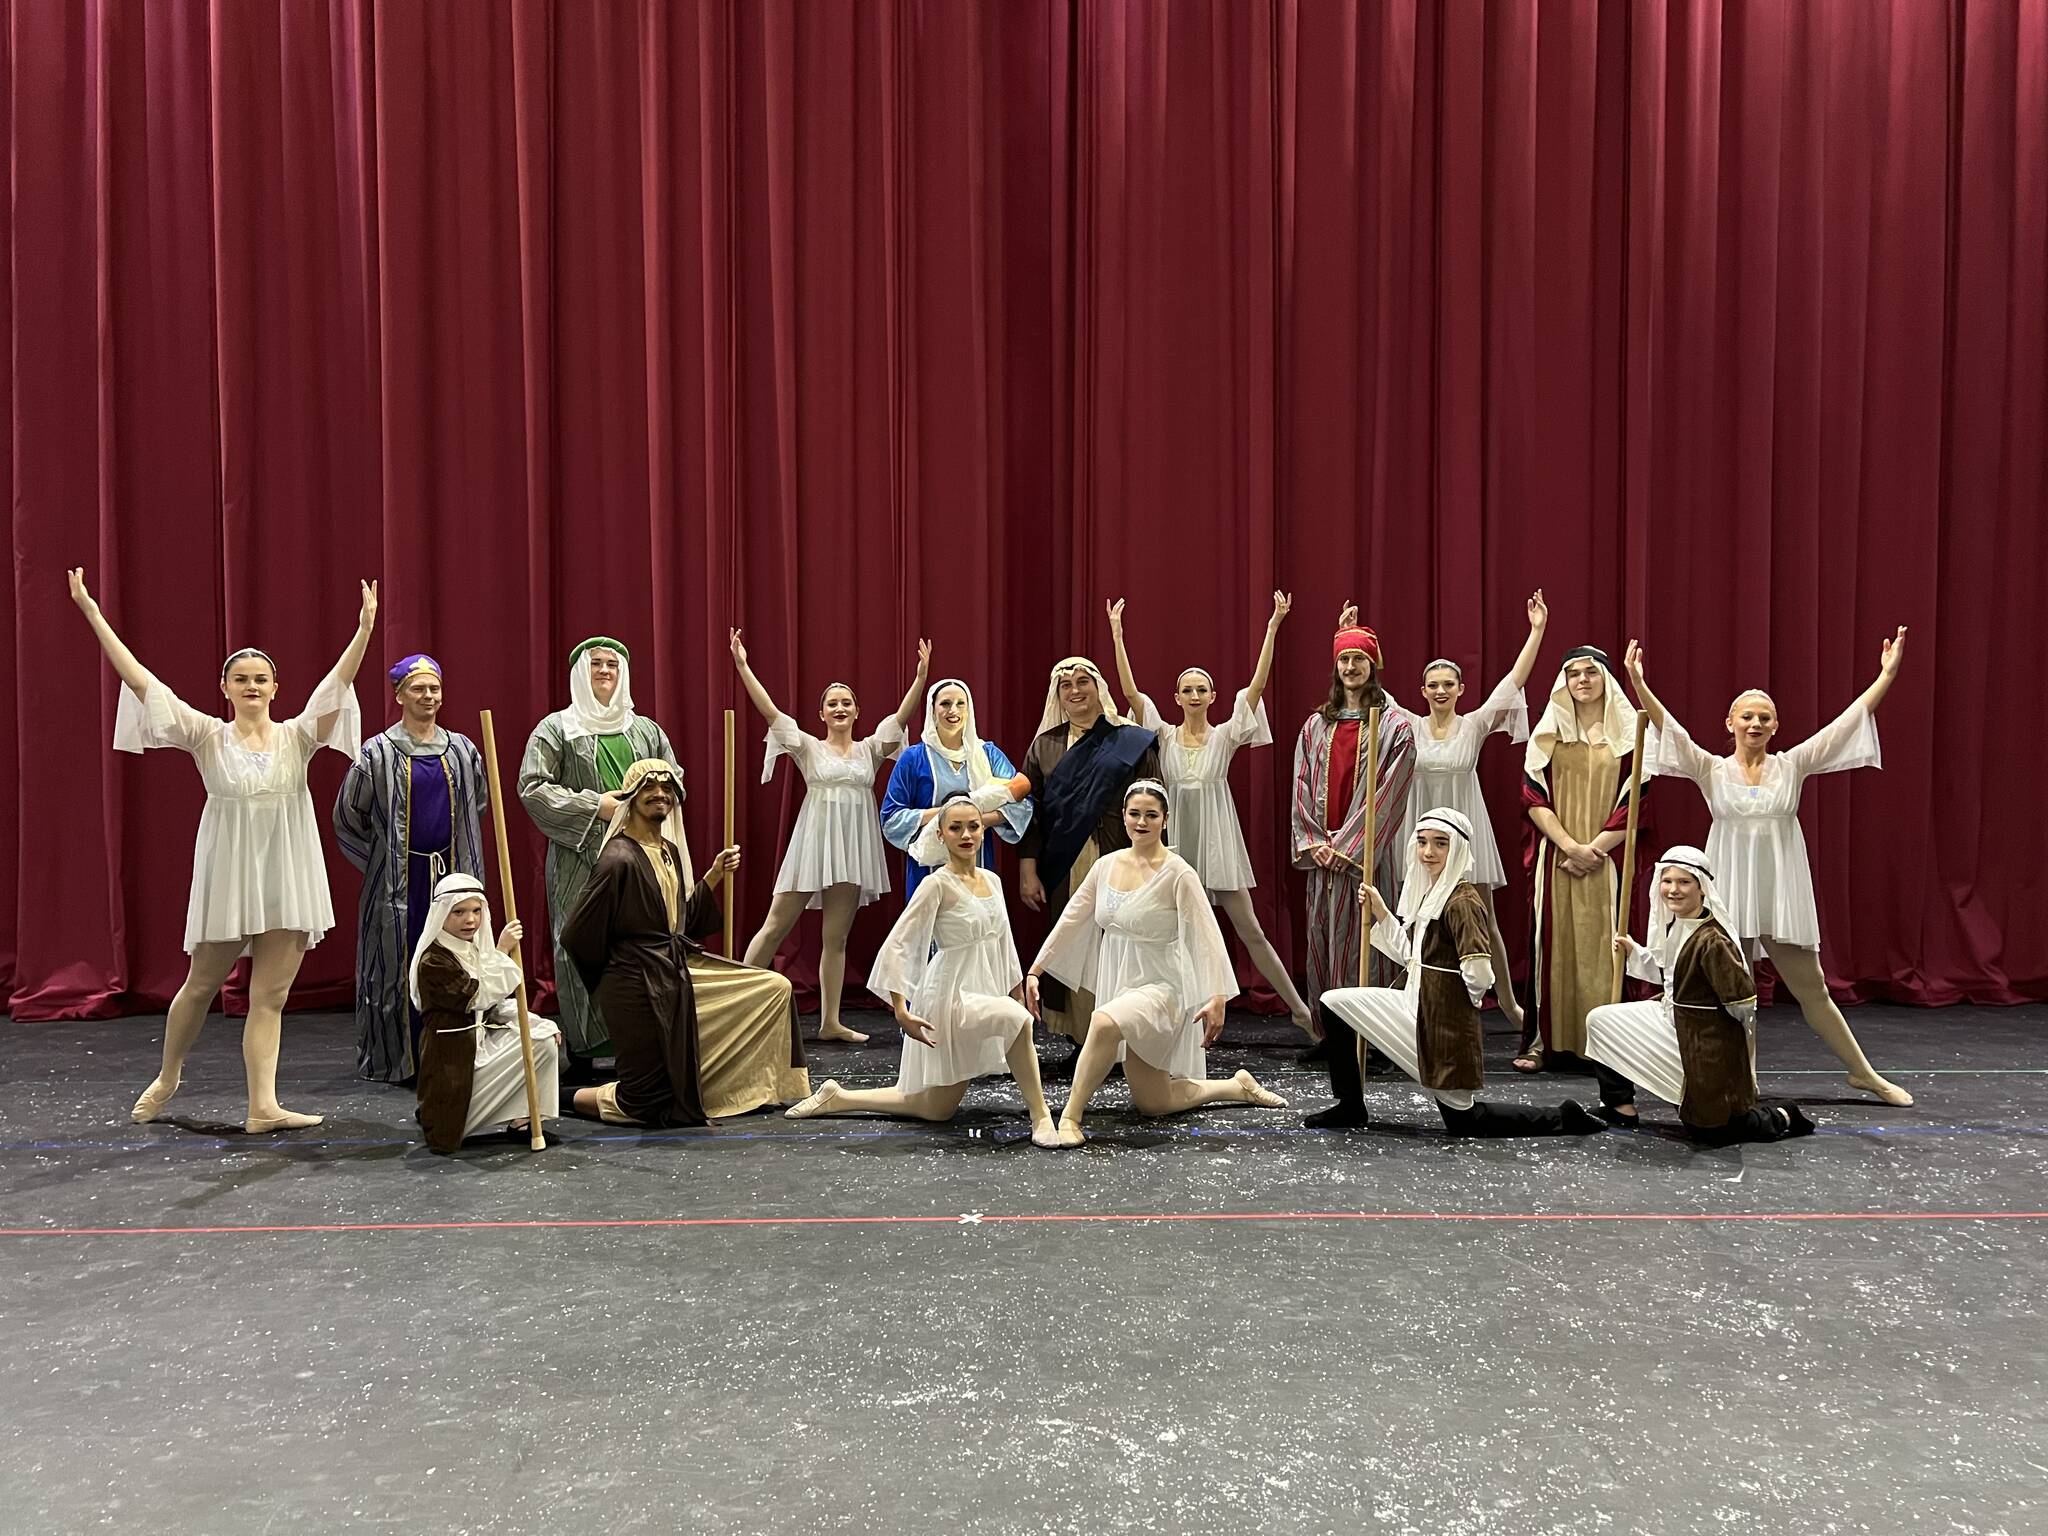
(1224, 1323)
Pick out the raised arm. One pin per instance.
(907, 710)
(1263, 668)
(1124, 679)
(1887, 669)
(1539, 618)
(752, 683)
(1632, 661)
(351, 659)
(132, 672)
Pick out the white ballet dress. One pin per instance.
(1755, 845)
(953, 960)
(1152, 956)
(257, 864)
(837, 839)
(1202, 827)
(1447, 772)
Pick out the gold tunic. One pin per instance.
(1579, 934)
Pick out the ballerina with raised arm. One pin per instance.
(1756, 845)
(1139, 937)
(1447, 747)
(949, 968)
(835, 861)
(259, 879)
(1194, 758)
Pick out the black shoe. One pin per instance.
(1610, 1114)
(1379, 1064)
(1318, 1051)
(1338, 1117)
(1798, 1122)
(1579, 1120)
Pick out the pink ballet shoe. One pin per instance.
(153, 1100)
(283, 1120)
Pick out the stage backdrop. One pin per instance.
(1722, 322)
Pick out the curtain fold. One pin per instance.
(1722, 321)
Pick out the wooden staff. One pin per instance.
(512, 916)
(1372, 814)
(1626, 905)
(732, 881)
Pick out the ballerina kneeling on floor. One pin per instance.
(950, 968)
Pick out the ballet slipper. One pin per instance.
(1890, 1093)
(1045, 1134)
(1305, 1022)
(838, 1031)
(819, 1103)
(1068, 1134)
(1620, 1116)
(153, 1100)
(1253, 1093)
(283, 1120)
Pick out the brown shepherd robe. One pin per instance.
(682, 1059)
(1449, 1046)
(1713, 1045)
(447, 1071)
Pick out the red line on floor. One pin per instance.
(978, 1219)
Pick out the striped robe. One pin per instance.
(370, 824)
(1334, 931)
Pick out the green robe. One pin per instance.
(560, 782)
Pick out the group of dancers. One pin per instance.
(1127, 837)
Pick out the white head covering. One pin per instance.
(672, 824)
(929, 846)
(585, 716)
(1669, 934)
(1423, 898)
(970, 757)
(496, 973)
(1054, 715)
(1560, 720)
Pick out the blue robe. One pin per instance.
(407, 813)
(922, 779)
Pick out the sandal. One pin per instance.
(1528, 1061)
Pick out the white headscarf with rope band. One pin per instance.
(585, 716)
(495, 973)
(1560, 720)
(1423, 898)
(671, 826)
(1669, 933)
(1055, 712)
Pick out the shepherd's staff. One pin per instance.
(512, 916)
(1371, 851)
(1626, 904)
(732, 880)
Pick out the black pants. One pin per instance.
(1757, 1124)
(1482, 1119)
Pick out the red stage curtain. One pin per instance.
(1723, 322)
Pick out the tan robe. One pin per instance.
(697, 1036)
(1576, 959)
